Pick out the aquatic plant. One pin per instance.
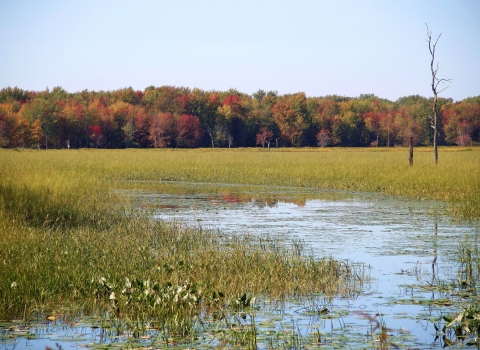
(465, 326)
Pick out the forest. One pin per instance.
(169, 116)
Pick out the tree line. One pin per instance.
(169, 116)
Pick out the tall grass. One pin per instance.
(67, 240)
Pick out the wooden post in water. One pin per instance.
(410, 158)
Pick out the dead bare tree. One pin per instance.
(410, 158)
(435, 83)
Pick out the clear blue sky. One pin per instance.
(318, 47)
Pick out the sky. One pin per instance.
(321, 47)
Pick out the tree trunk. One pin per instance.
(434, 114)
(388, 133)
(211, 136)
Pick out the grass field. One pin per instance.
(68, 241)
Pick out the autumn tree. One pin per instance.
(189, 131)
(36, 132)
(164, 99)
(122, 123)
(209, 118)
(407, 128)
(162, 130)
(289, 122)
(232, 115)
(326, 111)
(323, 138)
(303, 108)
(95, 134)
(264, 137)
(386, 126)
(10, 126)
(260, 115)
(204, 106)
(347, 129)
(46, 111)
(128, 95)
(464, 133)
(469, 111)
(56, 118)
(450, 118)
(9, 94)
(70, 123)
(3, 138)
(142, 125)
(372, 124)
(129, 132)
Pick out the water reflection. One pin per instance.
(404, 243)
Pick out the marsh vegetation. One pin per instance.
(74, 245)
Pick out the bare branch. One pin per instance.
(441, 81)
(445, 88)
(436, 41)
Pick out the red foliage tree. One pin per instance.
(95, 133)
(235, 104)
(372, 124)
(457, 127)
(189, 131)
(162, 130)
(264, 137)
(142, 125)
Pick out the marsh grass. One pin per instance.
(70, 246)
(142, 269)
(455, 180)
(468, 259)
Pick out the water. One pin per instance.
(403, 244)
